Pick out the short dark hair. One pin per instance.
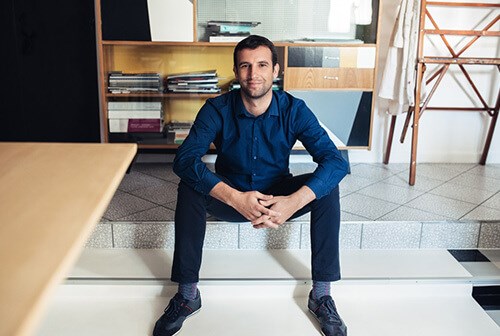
(253, 42)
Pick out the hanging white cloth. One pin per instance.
(344, 13)
(398, 78)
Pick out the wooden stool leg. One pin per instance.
(407, 123)
(389, 140)
(490, 132)
(416, 118)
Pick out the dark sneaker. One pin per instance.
(325, 312)
(176, 312)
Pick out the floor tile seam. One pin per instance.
(139, 172)
(151, 175)
(494, 195)
(137, 212)
(377, 180)
(377, 199)
(470, 211)
(112, 235)
(151, 186)
(368, 185)
(456, 199)
(428, 212)
(147, 200)
(395, 172)
(467, 172)
(482, 175)
(383, 199)
(430, 193)
(354, 214)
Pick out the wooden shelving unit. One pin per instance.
(166, 57)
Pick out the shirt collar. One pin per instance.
(241, 111)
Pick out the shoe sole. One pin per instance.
(193, 313)
(316, 317)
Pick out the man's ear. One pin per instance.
(276, 70)
(235, 72)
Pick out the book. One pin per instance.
(134, 105)
(135, 114)
(145, 125)
(135, 125)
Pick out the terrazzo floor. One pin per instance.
(372, 192)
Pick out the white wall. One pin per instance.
(443, 136)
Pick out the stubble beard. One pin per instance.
(256, 94)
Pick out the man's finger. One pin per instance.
(262, 196)
(269, 202)
(271, 213)
(266, 224)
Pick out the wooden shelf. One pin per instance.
(232, 44)
(164, 95)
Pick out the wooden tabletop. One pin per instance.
(51, 197)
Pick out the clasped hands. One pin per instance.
(265, 211)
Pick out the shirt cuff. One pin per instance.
(317, 186)
(209, 183)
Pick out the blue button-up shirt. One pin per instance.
(253, 152)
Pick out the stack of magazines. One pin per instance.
(179, 130)
(193, 82)
(139, 82)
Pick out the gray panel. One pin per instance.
(331, 57)
(335, 109)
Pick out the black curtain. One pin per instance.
(49, 61)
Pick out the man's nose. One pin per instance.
(251, 72)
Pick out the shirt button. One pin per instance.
(254, 174)
(255, 158)
(255, 138)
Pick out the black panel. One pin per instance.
(360, 133)
(487, 296)
(468, 255)
(125, 20)
(305, 57)
(13, 122)
(52, 65)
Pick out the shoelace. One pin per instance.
(173, 308)
(331, 311)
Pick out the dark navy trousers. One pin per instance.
(190, 224)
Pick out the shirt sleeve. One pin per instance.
(187, 163)
(332, 168)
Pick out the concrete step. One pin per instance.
(264, 292)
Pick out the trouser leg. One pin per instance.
(325, 226)
(190, 226)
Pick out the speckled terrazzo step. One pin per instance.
(295, 235)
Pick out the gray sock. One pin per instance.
(189, 290)
(320, 289)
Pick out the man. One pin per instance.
(253, 130)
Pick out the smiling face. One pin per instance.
(255, 72)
